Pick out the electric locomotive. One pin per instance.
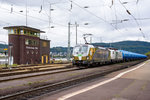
(86, 54)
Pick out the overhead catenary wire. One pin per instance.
(115, 13)
(43, 20)
(69, 11)
(46, 20)
(59, 23)
(39, 19)
(91, 13)
(101, 19)
(14, 12)
(129, 13)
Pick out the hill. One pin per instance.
(59, 49)
(133, 46)
(2, 46)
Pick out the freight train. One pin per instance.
(89, 55)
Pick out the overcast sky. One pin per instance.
(107, 20)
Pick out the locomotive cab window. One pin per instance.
(80, 50)
(76, 49)
(84, 49)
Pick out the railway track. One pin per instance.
(52, 88)
(16, 77)
(31, 67)
(11, 73)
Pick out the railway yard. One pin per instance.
(34, 81)
(74, 50)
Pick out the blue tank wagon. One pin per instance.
(127, 56)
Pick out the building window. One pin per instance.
(27, 42)
(15, 31)
(31, 33)
(25, 32)
(9, 31)
(35, 42)
(27, 52)
(21, 31)
(44, 44)
(31, 42)
(18, 31)
(38, 34)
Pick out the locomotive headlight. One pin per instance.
(87, 58)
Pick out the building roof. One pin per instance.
(24, 27)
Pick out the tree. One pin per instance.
(148, 54)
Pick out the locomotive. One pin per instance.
(88, 54)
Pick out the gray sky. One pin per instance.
(107, 21)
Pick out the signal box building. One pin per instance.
(27, 47)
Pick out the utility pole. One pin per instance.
(49, 15)
(76, 32)
(68, 51)
(26, 14)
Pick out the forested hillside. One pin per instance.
(133, 46)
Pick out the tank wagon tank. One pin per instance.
(87, 54)
(128, 56)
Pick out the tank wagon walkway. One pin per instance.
(129, 84)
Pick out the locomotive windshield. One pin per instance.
(84, 49)
(80, 50)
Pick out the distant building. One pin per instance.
(27, 48)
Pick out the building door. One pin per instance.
(44, 59)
